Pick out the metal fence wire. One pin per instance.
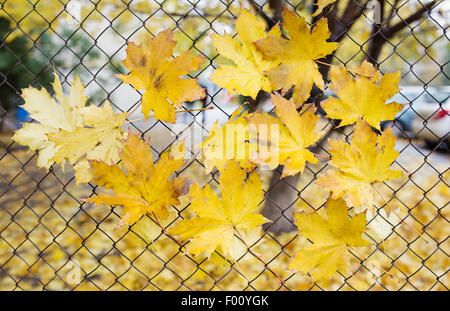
(51, 239)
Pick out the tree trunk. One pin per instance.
(279, 201)
(382, 32)
(282, 194)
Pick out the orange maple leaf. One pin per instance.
(139, 185)
(153, 70)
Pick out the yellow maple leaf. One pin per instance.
(52, 117)
(248, 76)
(294, 133)
(69, 130)
(362, 97)
(322, 4)
(153, 70)
(140, 186)
(218, 220)
(359, 165)
(331, 237)
(101, 139)
(227, 143)
(297, 55)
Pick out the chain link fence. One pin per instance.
(51, 239)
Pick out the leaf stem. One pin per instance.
(188, 162)
(165, 231)
(198, 109)
(397, 215)
(134, 120)
(354, 72)
(134, 109)
(178, 111)
(321, 156)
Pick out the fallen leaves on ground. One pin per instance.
(38, 250)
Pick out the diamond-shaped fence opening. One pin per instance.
(50, 238)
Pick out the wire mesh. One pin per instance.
(49, 236)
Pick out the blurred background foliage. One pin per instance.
(75, 37)
(20, 65)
